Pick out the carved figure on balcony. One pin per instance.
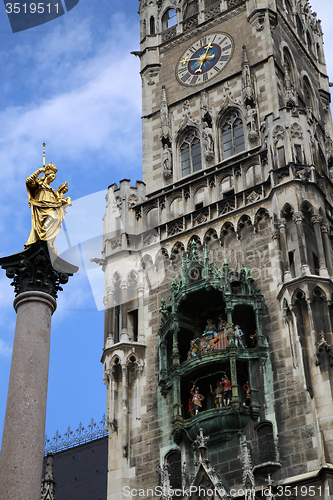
(209, 335)
(254, 339)
(218, 393)
(251, 122)
(194, 348)
(167, 162)
(227, 394)
(208, 141)
(238, 337)
(163, 309)
(221, 340)
(247, 390)
(195, 403)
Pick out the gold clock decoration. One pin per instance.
(205, 59)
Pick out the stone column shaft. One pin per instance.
(327, 248)
(277, 253)
(284, 249)
(21, 459)
(316, 220)
(298, 219)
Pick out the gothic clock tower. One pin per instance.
(218, 266)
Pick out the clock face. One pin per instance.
(205, 59)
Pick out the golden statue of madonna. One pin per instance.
(48, 207)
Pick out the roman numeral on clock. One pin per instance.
(226, 48)
(185, 77)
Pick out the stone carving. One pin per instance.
(48, 482)
(253, 196)
(291, 98)
(248, 89)
(208, 142)
(167, 162)
(204, 104)
(165, 132)
(117, 204)
(278, 134)
(115, 243)
(150, 238)
(251, 122)
(328, 146)
(33, 270)
(132, 201)
(296, 131)
(175, 227)
(304, 173)
(187, 115)
(321, 346)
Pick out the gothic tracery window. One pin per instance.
(190, 151)
(233, 141)
(307, 92)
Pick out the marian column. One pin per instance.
(37, 275)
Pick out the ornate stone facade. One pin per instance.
(232, 232)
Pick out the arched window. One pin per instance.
(191, 9)
(307, 92)
(190, 151)
(232, 135)
(287, 60)
(152, 25)
(299, 25)
(173, 459)
(169, 19)
(227, 185)
(309, 41)
(289, 9)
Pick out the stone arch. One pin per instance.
(169, 18)
(176, 208)
(227, 184)
(228, 233)
(162, 259)
(261, 218)
(146, 261)
(287, 211)
(152, 217)
(244, 227)
(288, 59)
(197, 240)
(176, 252)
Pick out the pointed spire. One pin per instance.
(201, 444)
(48, 482)
(245, 57)
(165, 129)
(248, 477)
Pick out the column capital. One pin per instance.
(298, 217)
(110, 290)
(37, 268)
(275, 235)
(281, 223)
(316, 219)
(324, 228)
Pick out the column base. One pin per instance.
(287, 276)
(305, 269)
(323, 272)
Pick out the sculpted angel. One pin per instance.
(47, 206)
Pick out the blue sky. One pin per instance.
(73, 84)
